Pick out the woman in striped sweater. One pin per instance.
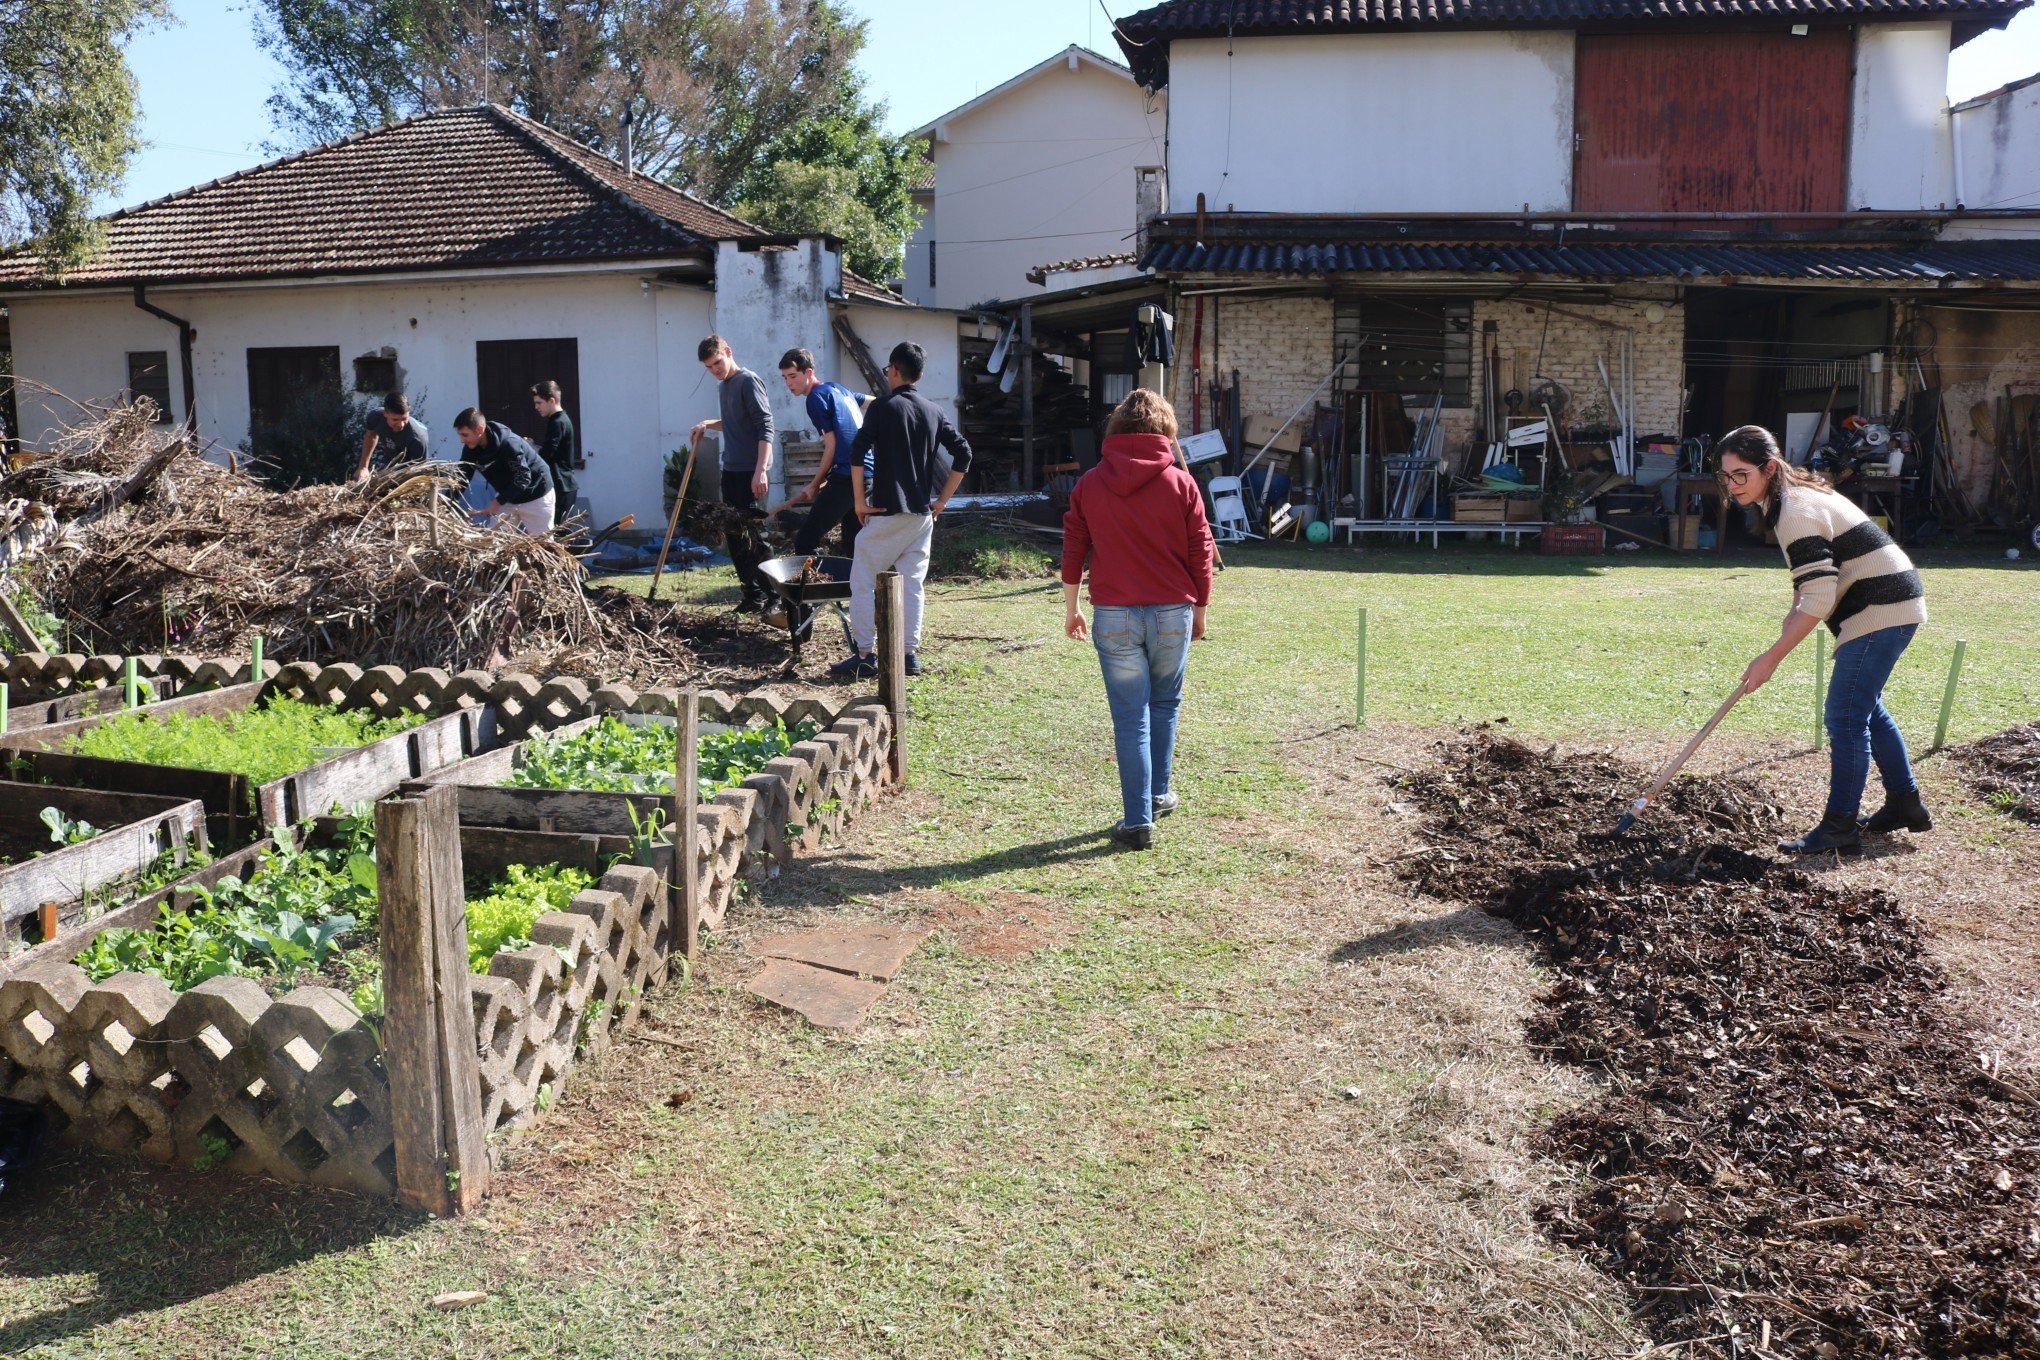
(1847, 573)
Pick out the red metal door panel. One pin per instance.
(1711, 122)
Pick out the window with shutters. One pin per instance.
(1412, 345)
(148, 375)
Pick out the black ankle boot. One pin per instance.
(1901, 812)
(1835, 833)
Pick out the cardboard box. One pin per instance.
(1259, 429)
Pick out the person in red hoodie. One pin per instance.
(1138, 519)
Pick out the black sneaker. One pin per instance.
(913, 664)
(1837, 834)
(1134, 837)
(1901, 812)
(750, 604)
(855, 668)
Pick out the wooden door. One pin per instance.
(292, 385)
(1712, 122)
(505, 371)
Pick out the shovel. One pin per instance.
(1677, 762)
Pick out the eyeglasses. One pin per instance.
(1735, 477)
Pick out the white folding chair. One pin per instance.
(1229, 522)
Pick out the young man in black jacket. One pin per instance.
(556, 446)
(895, 471)
(523, 487)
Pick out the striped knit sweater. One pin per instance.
(1845, 569)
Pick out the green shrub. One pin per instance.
(279, 738)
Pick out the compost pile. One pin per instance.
(1797, 1141)
(156, 549)
(2005, 770)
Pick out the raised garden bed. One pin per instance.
(240, 805)
(59, 848)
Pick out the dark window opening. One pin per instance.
(148, 375)
(931, 264)
(1416, 346)
(505, 372)
(376, 374)
(301, 426)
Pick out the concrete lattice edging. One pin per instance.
(293, 1086)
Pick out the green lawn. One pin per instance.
(1186, 1128)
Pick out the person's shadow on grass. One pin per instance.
(828, 880)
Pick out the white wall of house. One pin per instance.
(636, 352)
(1898, 134)
(2000, 139)
(883, 327)
(768, 302)
(1418, 122)
(915, 283)
(1045, 171)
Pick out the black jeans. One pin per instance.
(746, 552)
(834, 504)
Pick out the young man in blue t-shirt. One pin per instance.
(837, 414)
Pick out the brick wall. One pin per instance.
(1283, 349)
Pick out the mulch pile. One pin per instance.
(1799, 1150)
(141, 546)
(2005, 770)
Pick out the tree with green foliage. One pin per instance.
(722, 93)
(67, 118)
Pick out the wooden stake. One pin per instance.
(892, 666)
(1360, 685)
(672, 523)
(686, 797)
(1948, 695)
(428, 1022)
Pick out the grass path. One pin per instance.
(1243, 1097)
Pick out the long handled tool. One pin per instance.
(673, 523)
(1677, 762)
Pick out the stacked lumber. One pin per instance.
(991, 418)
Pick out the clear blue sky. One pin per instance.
(204, 80)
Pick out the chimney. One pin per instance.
(629, 117)
(1150, 200)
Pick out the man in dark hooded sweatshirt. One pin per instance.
(1138, 519)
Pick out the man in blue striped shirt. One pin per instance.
(837, 414)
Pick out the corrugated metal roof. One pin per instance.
(1145, 36)
(1929, 262)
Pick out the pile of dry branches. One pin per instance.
(139, 544)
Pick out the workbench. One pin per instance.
(1691, 484)
(1436, 528)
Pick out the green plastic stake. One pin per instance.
(131, 680)
(255, 671)
(1819, 689)
(1948, 695)
(1360, 680)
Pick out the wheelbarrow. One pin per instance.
(799, 597)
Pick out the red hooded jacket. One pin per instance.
(1140, 521)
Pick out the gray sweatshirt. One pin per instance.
(746, 419)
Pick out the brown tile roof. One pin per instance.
(455, 188)
(923, 181)
(1145, 36)
(1040, 272)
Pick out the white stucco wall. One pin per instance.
(1418, 122)
(636, 351)
(883, 327)
(1898, 134)
(1044, 172)
(914, 281)
(2000, 139)
(768, 302)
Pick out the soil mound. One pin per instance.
(1799, 1149)
(2004, 770)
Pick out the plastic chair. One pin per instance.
(1229, 522)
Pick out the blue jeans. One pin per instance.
(1859, 727)
(1143, 650)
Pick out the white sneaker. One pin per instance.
(1165, 804)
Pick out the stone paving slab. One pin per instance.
(829, 1000)
(870, 950)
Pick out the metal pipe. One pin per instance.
(185, 332)
(1955, 152)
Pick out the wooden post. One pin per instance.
(428, 1021)
(892, 666)
(1025, 358)
(686, 797)
(1948, 695)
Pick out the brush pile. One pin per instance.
(1799, 1151)
(140, 545)
(2005, 770)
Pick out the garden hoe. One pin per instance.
(1677, 762)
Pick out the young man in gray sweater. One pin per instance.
(746, 425)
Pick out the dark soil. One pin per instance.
(2005, 770)
(1797, 1140)
(23, 848)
